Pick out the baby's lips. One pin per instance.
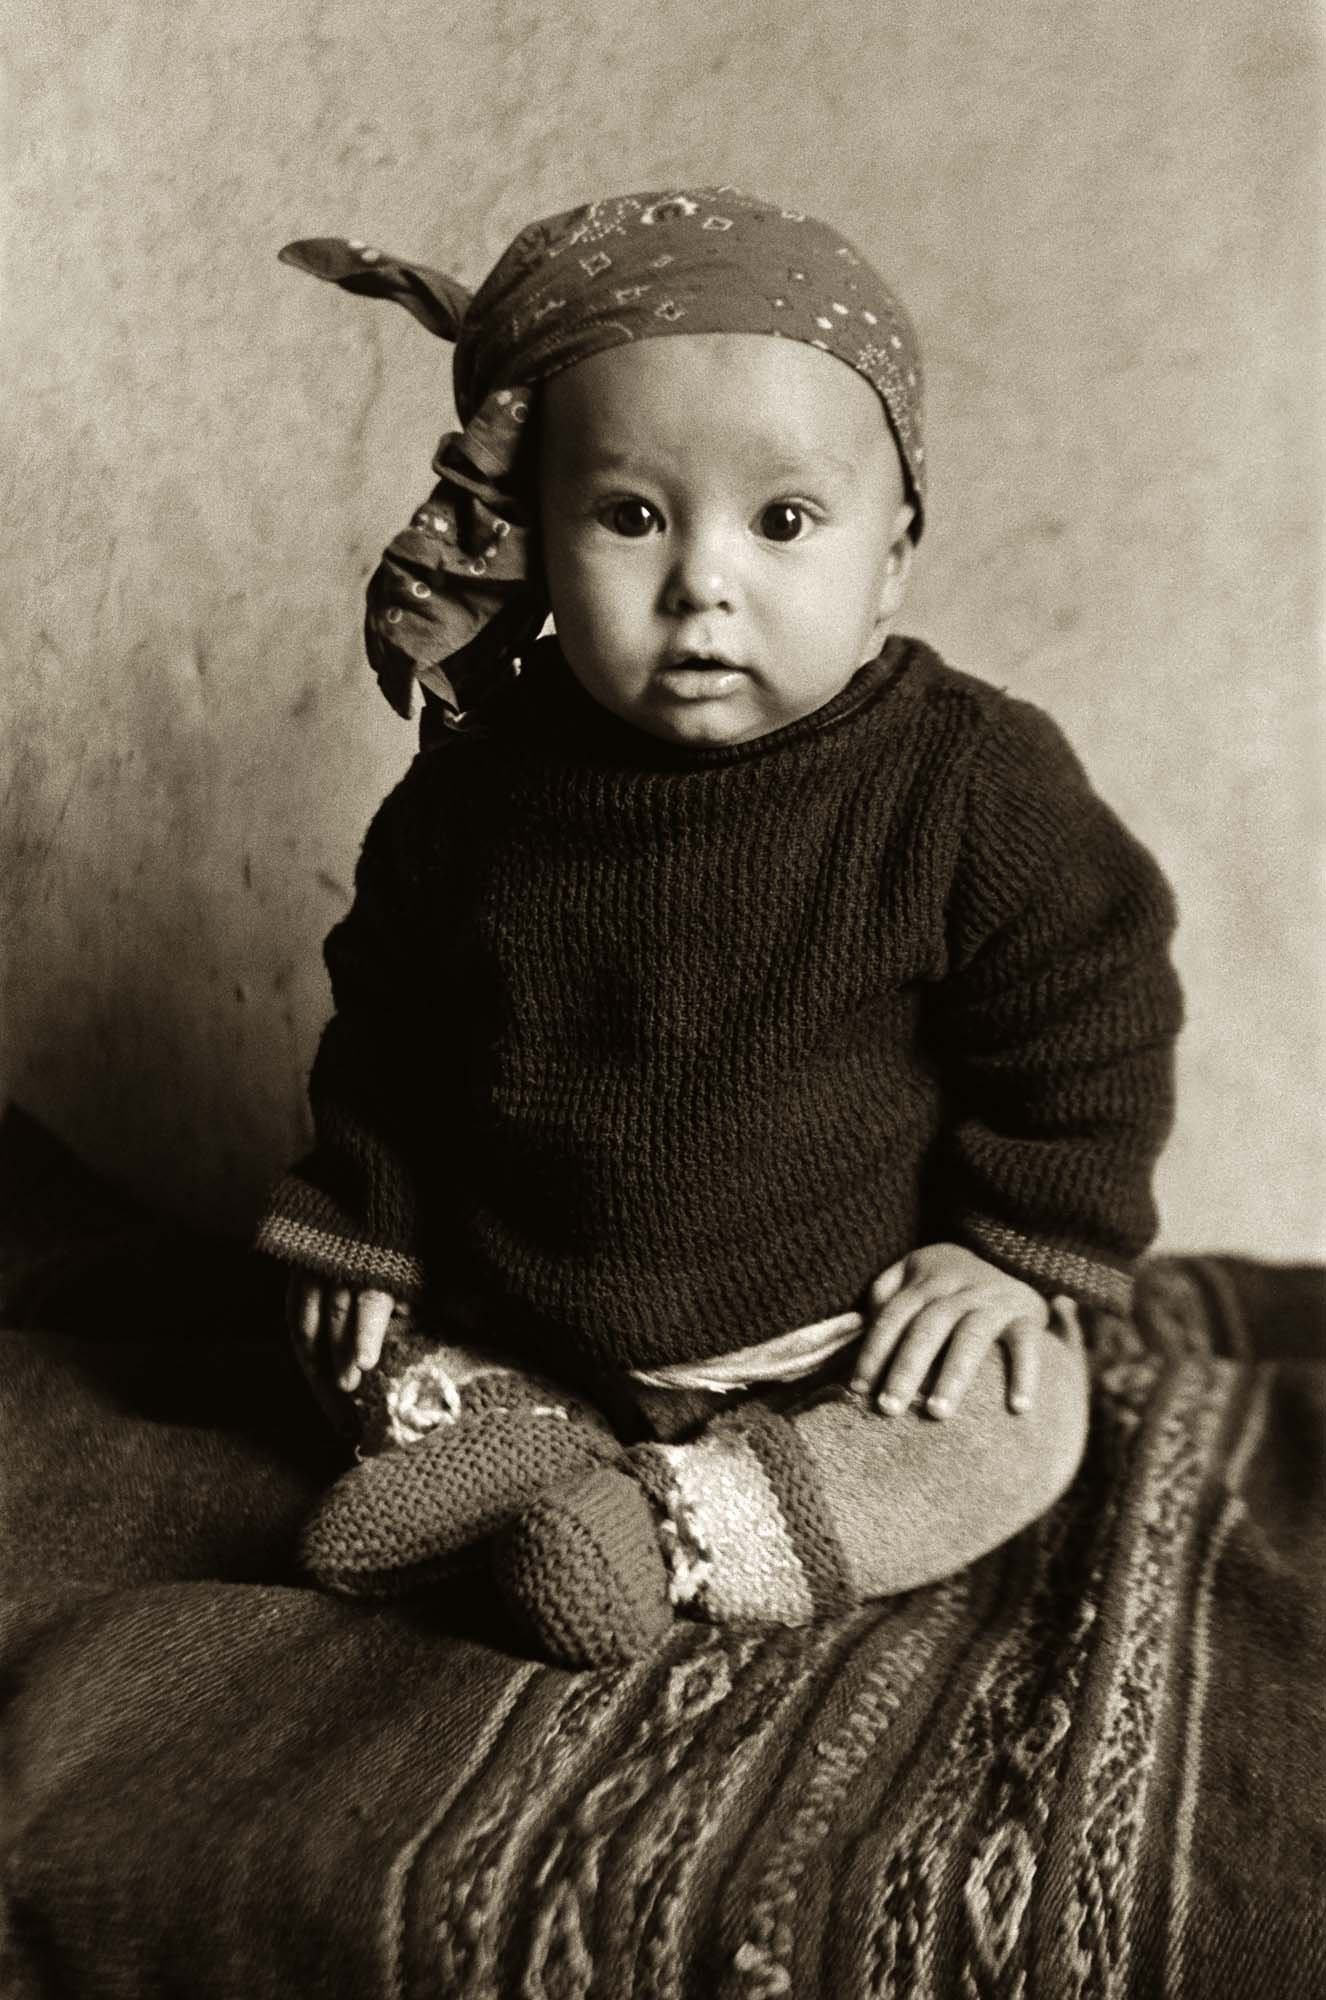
(718, 662)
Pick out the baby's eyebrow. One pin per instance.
(601, 458)
(814, 465)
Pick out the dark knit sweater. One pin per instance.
(659, 1052)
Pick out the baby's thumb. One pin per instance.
(889, 1283)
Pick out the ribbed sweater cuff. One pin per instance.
(1052, 1267)
(303, 1226)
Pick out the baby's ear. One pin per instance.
(436, 301)
(898, 566)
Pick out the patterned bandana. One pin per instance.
(459, 593)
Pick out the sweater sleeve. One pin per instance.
(1054, 1030)
(349, 1211)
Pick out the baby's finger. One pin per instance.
(303, 1308)
(915, 1356)
(1067, 1313)
(338, 1322)
(972, 1338)
(881, 1339)
(1023, 1341)
(373, 1311)
(889, 1283)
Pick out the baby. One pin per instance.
(753, 1037)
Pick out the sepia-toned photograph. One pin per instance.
(663, 1001)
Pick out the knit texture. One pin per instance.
(1089, 1765)
(399, 1520)
(582, 1573)
(779, 1516)
(713, 1036)
(730, 1551)
(772, 1441)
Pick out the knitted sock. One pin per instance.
(779, 1518)
(746, 1533)
(400, 1519)
(582, 1573)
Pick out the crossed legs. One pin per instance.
(772, 1510)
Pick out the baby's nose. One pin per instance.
(699, 581)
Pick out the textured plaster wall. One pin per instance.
(1103, 216)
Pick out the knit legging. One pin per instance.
(774, 1506)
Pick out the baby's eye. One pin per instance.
(632, 518)
(784, 521)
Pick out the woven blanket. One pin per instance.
(1092, 1764)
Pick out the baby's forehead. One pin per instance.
(750, 396)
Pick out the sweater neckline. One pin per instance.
(559, 706)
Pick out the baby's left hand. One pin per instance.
(943, 1300)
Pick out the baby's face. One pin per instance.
(724, 530)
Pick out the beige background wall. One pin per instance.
(1102, 215)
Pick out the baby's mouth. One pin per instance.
(701, 676)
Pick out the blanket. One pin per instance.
(1090, 1765)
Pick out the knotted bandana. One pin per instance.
(459, 593)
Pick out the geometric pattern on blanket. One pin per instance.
(1090, 1765)
(1020, 1859)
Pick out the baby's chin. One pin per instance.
(705, 732)
(738, 717)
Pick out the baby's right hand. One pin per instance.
(338, 1330)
